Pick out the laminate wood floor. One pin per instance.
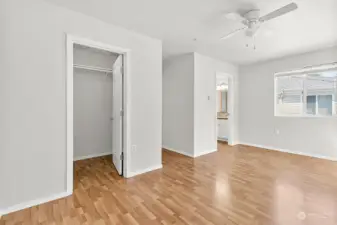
(236, 185)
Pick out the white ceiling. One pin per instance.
(179, 22)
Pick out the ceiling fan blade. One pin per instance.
(233, 33)
(279, 12)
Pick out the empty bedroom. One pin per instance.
(217, 112)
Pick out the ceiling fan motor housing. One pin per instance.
(252, 22)
(252, 15)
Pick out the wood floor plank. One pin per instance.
(234, 186)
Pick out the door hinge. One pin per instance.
(122, 156)
(122, 113)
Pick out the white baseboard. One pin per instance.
(149, 169)
(289, 151)
(92, 156)
(33, 203)
(222, 138)
(194, 155)
(179, 151)
(205, 152)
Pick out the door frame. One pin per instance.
(230, 107)
(70, 41)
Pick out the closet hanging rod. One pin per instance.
(93, 68)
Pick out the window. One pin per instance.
(307, 92)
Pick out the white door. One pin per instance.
(117, 121)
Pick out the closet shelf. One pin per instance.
(93, 68)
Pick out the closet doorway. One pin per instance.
(96, 104)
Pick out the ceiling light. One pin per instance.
(221, 87)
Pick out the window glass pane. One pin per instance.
(317, 85)
(325, 105)
(289, 95)
(311, 105)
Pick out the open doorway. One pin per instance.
(224, 108)
(95, 105)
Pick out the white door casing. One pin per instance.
(71, 40)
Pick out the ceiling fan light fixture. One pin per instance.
(252, 20)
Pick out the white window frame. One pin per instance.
(304, 71)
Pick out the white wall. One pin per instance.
(34, 106)
(4, 104)
(312, 136)
(92, 104)
(205, 137)
(189, 115)
(178, 86)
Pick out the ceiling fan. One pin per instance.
(252, 20)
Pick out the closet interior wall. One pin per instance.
(92, 102)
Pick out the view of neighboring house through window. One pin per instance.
(311, 104)
(306, 93)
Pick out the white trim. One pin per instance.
(149, 169)
(306, 116)
(33, 203)
(309, 69)
(70, 114)
(194, 155)
(71, 40)
(91, 156)
(178, 151)
(204, 152)
(289, 151)
(223, 139)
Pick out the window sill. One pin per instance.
(306, 116)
